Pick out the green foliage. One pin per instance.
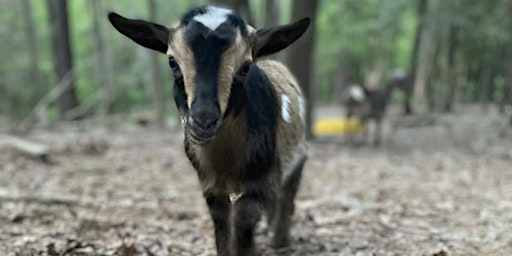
(353, 36)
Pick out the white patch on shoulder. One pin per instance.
(285, 108)
(302, 110)
(213, 17)
(356, 92)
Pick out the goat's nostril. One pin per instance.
(212, 124)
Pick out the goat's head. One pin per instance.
(209, 51)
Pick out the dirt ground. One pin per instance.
(443, 187)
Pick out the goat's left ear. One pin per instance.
(271, 40)
(147, 34)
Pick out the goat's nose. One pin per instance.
(205, 120)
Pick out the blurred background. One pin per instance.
(91, 157)
(64, 61)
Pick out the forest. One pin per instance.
(91, 158)
(453, 52)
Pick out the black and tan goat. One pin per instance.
(370, 104)
(243, 117)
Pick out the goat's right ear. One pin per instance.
(147, 34)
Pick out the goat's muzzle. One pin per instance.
(203, 124)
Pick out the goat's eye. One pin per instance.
(245, 68)
(172, 63)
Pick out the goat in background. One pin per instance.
(370, 104)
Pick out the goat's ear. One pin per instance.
(147, 34)
(271, 40)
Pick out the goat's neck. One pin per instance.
(231, 133)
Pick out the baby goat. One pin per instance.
(243, 117)
(368, 104)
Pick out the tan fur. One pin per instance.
(182, 53)
(290, 135)
(230, 61)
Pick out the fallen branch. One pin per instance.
(29, 148)
(9, 196)
(53, 95)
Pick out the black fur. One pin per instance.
(237, 22)
(236, 96)
(147, 34)
(187, 17)
(180, 96)
(207, 48)
(261, 111)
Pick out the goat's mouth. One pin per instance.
(200, 141)
(200, 136)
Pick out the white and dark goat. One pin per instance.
(243, 117)
(370, 104)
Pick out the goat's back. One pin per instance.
(291, 111)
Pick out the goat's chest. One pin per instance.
(221, 165)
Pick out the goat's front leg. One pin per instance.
(248, 210)
(286, 206)
(219, 206)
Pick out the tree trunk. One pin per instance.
(156, 76)
(507, 101)
(36, 78)
(433, 71)
(5, 107)
(272, 13)
(272, 19)
(413, 64)
(233, 4)
(103, 58)
(300, 57)
(62, 58)
(483, 84)
(452, 69)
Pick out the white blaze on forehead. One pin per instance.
(302, 111)
(356, 92)
(213, 17)
(285, 108)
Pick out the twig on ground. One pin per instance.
(26, 147)
(9, 196)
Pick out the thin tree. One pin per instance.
(35, 76)
(62, 58)
(156, 76)
(413, 64)
(452, 80)
(103, 60)
(272, 13)
(300, 56)
(273, 18)
(508, 92)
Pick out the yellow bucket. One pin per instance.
(335, 126)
